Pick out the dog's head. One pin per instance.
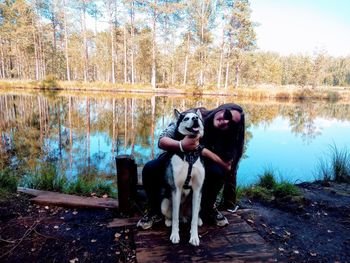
(189, 123)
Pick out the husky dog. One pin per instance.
(185, 174)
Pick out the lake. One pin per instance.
(82, 133)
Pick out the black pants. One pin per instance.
(153, 176)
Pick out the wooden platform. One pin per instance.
(237, 242)
(54, 198)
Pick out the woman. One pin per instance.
(223, 147)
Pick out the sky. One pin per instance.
(303, 26)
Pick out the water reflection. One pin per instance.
(82, 133)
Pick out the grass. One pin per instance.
(337, 169)
(260, 91)
(47, 178)
(268, 189)
(8, 182)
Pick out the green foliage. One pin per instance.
(46, 178)
(83, 186)
(267, 180)
(340, 165)
(8, 181)
(332, 96)
(337, 168)
(259, 193)
(285, 189)
(268, 189)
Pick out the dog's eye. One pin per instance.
(186, 119)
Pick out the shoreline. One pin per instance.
(261, 91)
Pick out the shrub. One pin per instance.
(50, 82)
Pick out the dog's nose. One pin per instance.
(195, 118)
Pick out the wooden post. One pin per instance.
(127, 180)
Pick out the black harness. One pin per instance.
(191, 158)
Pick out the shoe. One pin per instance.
(215, 217)
(148, 220)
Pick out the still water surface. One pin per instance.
(82, 133)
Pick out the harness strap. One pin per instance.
(188, 178)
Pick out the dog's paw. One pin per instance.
(200, 221)
(194, 240)
(168, 222)
(175, 238)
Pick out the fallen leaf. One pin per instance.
(46, 207)
(264, 225)
(313, 254)
(93, 240)
(68, 228)
(104, 196)
(250, 221)
(56, 227)
(281, 249)
(73, 260)
(329, 231)
(288, 233)
(296, 252)
(117, 235)
(75, 212)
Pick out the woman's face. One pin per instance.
(219, 121)
(223, 124)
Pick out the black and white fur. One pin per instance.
(191, 124)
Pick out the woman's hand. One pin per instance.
(190, 144)
(214, 157)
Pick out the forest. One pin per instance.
(162, 43)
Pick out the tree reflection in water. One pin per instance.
(82, 133)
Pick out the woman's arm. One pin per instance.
(187, 144)
(214, 157)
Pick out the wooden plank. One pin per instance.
(119, 222)
(237, 242)
(54, 198)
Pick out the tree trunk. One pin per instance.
(132, 18)
(221, 58)
(85, 42)
(2, 62)
(112, 48)
(227, 73)
(125, 58)
(153, 77)
(186, 59)
(237, 76)
(66, 41)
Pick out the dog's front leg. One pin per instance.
(175, 237)
(194, 239)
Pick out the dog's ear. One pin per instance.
(177, 114)
(198, 112)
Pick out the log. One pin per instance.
(127, 181)
(59, 199)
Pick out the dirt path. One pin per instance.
(314, 230)
(317, 229)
